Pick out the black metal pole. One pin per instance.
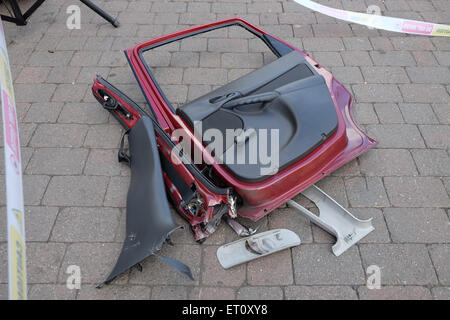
(100, 12)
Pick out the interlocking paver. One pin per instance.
(73, 180)
(89, 224)
(387, 162)
(432, 162)
(417, 113)
(400, 264)
(315, 264)
(418, 225)
(416, 192)
(75, 191)
(50, 292)
(57, 161)
(440, 254)
(395, 293)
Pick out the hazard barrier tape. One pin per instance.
(13, 178)
(380, 22)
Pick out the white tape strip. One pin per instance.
(381, 22)
(13, 177)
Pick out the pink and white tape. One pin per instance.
(380, 22)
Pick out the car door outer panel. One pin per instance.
(260, 198)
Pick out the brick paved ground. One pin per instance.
(75, 190)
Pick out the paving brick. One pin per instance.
(332, 30)
(432, 162)
(381, 43)
(418, 225)
(174, 75)
(301, 31)
(347, 75)
(83, 113)
(242, 60)
(75, 191)
(416, 192)
(114, 292)
(85, 58)
(102, 162)
(95, 260)
(88, 224)
(424, 93)
(57, 161)
(33, 92)
(34, 188)
(50, 58)
(196, 18)
(412, 43)
(400, 264)
(356, 58)
(50, 292)
(43, 261)
(315, 264)
(366, 192)
(395, 293)
(58, 135)
(39, 222)
(227, 45)
(396, 135)
(440, 254)
(387, 162)
(167, 18)
(264, 7)
(323, 44)
(103, 136)
(184, 59)
(357, 43)
(388, 113)
(429, 74)
(364, 113)
(442, 111)
(156, 272)
(87, 74)
(63, 75)
(33, 75)
(43, 112)
(275, 269)
(113, 59)
(212, 293)
(259, 293)
(320, 293)
(377, 93)
(441, 293)
(228, 8)
(169, 293)
(295, 18)
(384, 75)
(328, 59)
(71, 43)
(424, 58)
(213, 273)
(69, 92)
(205, 75)
(115, 194)
(443, 57)
(418, 113)
(436, 136)
(392, 58)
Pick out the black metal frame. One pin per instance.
(20, 18)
